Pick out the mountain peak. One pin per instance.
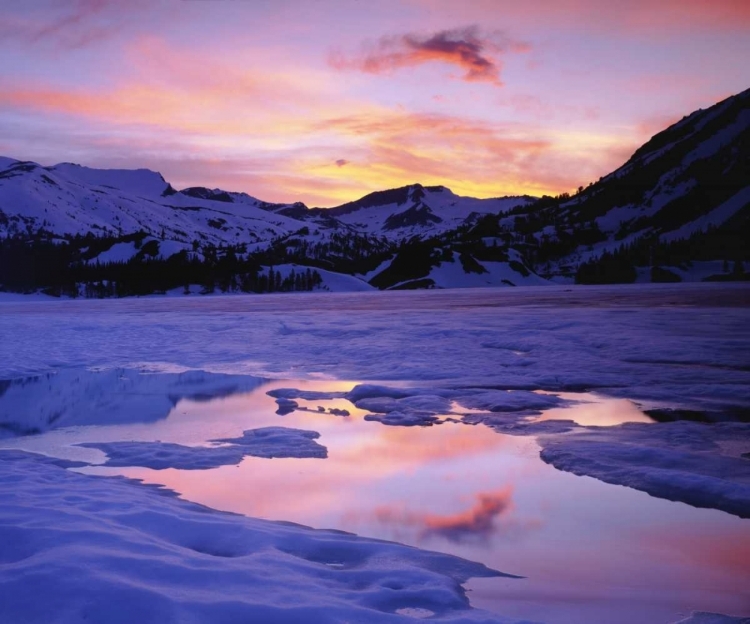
(140, 181)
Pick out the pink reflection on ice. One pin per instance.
(490, 513)
(595, 410)
(590, 552)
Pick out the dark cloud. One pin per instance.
(475, 53)
(341, 162)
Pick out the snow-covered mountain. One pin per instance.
(137, 214)
(68, 199)
(690, 179)
(410, 211)
(679, 208)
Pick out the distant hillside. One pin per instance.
(678, 209)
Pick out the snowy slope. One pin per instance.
(333, 282)
(693, 175)
(70, 199)
(691, 178)
(417, 210)
(111, 550)
(452, 275)
(117, 396)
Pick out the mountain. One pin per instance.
(410, 211)
(690, 182)
(678, 209)
(68, 199)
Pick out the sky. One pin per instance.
(323, 101)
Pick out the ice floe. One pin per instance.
(681, 461)
(115, 396)
(266, 442)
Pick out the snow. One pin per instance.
(452, 275)
(119, 252)
(266, 442)
(332, 281)
(427, 406)
(19, 297)
(641, 337)
(719, 139)
(450, 209)
(716, 217)
(71, 397)
(702, 617)
(142, 182)
(6, 162)
(378, 269)
(110, 550)
(70, 199)
(286, 406)
(677, 461)
(698, 270)
(105, 548)
(168, 248)
(665, 191)
(409, 418)
(508, 401)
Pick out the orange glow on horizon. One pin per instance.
(289, 105)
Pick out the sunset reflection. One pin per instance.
(464, 489)
(593, 410)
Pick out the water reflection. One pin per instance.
(590, 552)
(489, 514)
(595, 410)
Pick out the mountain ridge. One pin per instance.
(682, 198)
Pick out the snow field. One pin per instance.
(108, 550)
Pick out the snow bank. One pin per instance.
(409, 418)
(119, 252)
(332, 281)
(110, 550)
(409, 406)
(702, 617)
(266, 442)
(453, 275)
(427, 406)
(658, 342)
(682, 346)
(117, 396)
(415, 406)
(680, 461)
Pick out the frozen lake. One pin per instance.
(492, 371)
(589, 551)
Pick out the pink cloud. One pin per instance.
(478, 520)
(74, 25)
(489, 514)
(544, 109)
(640, 17)
(475, 53)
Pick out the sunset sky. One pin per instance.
(323, 101)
